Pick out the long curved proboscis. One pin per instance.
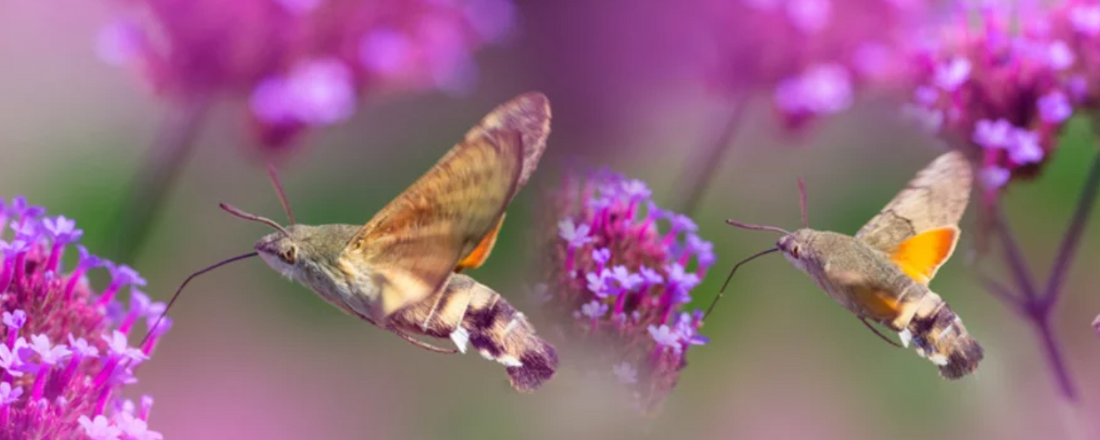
(176, 296)
(730, 277)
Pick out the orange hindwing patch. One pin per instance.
(477, 257)
(922, 255)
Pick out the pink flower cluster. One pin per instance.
(811, 56)
(65, 353)
(303, 63)
(618, 283)
(1004, 80)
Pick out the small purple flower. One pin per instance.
(15, 320)
(119, 346)
(87, 260)
(993, 134)
(9, 395)
(594, 309)
(950, 75)
(702, 249)
(1060, 56)
(626, 279)
(47, 352)
(62, 230)
(625, 373)
(100, 428)
(683, 223)
(926, 96)
(79, 346)
(635, 190)
(1054, 107)
(10, 358)
(665, 337)
(809, 16)
(575, 235)
(124, 275)
(1086, 19)
(1025, 148)
(597, 283)
(995, 177)
(820, 89)
(651, 276)
(314, 92)
(135, 428)
(14, 248)
(601, 256)
(678, 276)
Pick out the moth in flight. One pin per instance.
(402, 271)
(882, 273)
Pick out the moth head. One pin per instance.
(280, 249)
(797, 246)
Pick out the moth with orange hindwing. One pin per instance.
(402, 271)
(882, 273)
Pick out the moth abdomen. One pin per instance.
(939, 335)
(472, 314)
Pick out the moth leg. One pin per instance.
(873, 329)
(409, 338)
(420, 343)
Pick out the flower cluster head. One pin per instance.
(303, 63)
(65, 356)
(621, 271)
(810, 56)
(1003, 80)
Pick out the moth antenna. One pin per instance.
(802, 202)
(757, 227)
(730, 277)
(252, 217)
(176, 295)
(275, 182)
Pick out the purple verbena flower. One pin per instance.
(1055, 107)
(302, 63)
(813, 57)
(1014, 77)
(623, 279)
(56, 383)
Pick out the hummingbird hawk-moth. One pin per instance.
(882, 273)
(402, 270)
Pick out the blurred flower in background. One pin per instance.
(303, 63)
(616, 283)
(1001, 80)
(65, 352)
(811, 57)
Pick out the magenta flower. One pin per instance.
(64, 364)
(303, 63)
(619, 283)
(1006, 88)
(811, 56)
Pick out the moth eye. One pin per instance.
(288, 255)
(794, 251)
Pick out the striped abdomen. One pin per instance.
(468, 312)
(938, 334)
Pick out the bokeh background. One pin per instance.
(253, 356)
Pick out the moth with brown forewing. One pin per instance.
(882, 273)
(402, 270)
